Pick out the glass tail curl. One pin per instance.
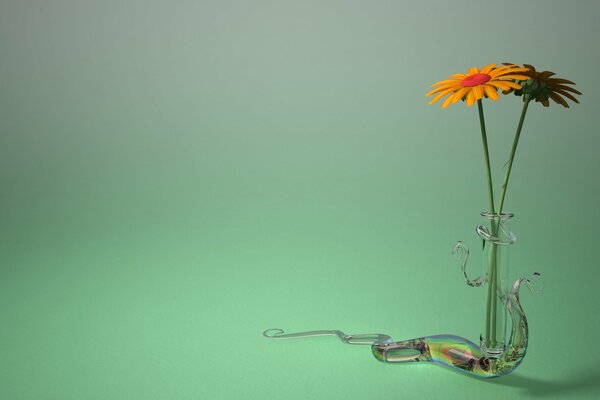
(454, 352)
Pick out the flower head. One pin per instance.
(539, 86)
(476, 84)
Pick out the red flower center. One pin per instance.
(475, 79)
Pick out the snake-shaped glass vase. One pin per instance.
(451, 351)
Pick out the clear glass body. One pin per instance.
(497, 238)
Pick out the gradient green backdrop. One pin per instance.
(178, 176)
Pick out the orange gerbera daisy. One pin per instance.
(476, 84)
(541, 86)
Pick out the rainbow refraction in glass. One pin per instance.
(461, 354)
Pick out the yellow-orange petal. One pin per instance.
(473, 71)
(487, 68)
(494, 72)
(478, 92)
(500, 85)
(440, 95)
(459, 76)
(460, 94)
(447, 102)
(490, 92)
(517, 77)
(512, 72)
(505, 70)
(511, 84)
(445, 82)
(470, 98)
(439, 89)
(517, 68)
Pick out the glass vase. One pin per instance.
(495, 356)
(497, 238)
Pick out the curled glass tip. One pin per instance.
(276, 333)
(273, 332)
(461, 253)
(536, 283)
(365, 338)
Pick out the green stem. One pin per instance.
(492, 296)
(486, 155)
(492, 273)
(512, 155)
(493, 286)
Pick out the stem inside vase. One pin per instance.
(495, 264)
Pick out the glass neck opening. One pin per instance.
(503, 216)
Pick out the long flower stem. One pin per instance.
(492, 262)
(490, 314)
(512, 155)
(486, 155)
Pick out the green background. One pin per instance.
(178, 176)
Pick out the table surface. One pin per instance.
(179, 176)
